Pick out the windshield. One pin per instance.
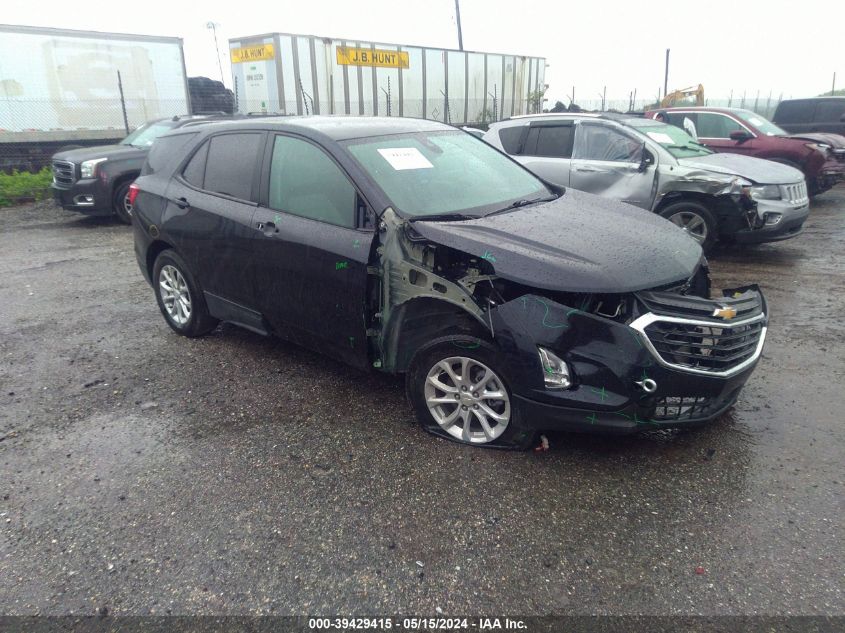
(435, 173)
(764, 125)
(147, 133)
(676, 141)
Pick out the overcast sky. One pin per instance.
(766, 45)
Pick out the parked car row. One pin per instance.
(511, 304)
(659, 167)
(738, 131)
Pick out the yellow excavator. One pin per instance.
(694, 95)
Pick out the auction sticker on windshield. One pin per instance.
(660, 137)
(405, 158)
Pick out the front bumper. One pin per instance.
(791, 223)
(89, 196)
(611, 360)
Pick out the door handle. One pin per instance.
(182, 203)
(590, 169)
(268, 228)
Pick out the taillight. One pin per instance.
(133, 193)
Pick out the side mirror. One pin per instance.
(646, 159)
(740, 136)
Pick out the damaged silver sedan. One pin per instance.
(510, 305)
(656, 166)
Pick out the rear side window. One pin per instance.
(304, 181)
(164, 150)
(194, 171)
(830, 110)
(510, 138)
(550, 140)
(231, 165)
(794, 112)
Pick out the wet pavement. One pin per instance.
(142, 472)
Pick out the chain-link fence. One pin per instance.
(764, 105)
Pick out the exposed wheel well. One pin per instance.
(418, 321)
(673, 197)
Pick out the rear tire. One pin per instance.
(458, 388)
(120, 203)
(695, 219)
(180, 297)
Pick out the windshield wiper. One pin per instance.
(444, 216)
(520, 203)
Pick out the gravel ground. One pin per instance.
(142, 472)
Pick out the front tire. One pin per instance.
(120, 203)
(180, 297)
(458, 388)
(694, 219)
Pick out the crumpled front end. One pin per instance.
(632, 360)
(647, 360)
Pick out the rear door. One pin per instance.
(311, 249)
(209, 215)
(606, 161)
(547, 150)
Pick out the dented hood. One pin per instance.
(577, 243)
(836, 141)
(757, 170)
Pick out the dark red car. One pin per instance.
(744, 132)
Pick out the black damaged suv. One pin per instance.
(408, 246)
(95, 180)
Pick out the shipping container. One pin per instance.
(305, 74)
(62, 85)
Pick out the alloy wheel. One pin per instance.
(175, 294)
(467, 400)
(692, 224)
(127, 205)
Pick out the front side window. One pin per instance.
(433, 173)
(231, 165)
(713, 125)
(304, 181)
(600, 142)
(830, 110)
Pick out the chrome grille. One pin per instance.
(64, 173)
(795, 194)
(703, 347)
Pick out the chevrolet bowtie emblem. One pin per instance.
(724, 313)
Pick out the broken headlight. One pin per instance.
(555, 371)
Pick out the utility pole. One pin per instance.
(213, 27)
(833, 86)
(666, 75)
(122, 103)
(458, 20)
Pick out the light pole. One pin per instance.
(213, 26)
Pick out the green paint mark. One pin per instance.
(571, 312)
(488, 256)
(341, 265)
(464, 345)
(602, 393)
(552, 326)
(277, 219)
(591, 418)
(351, 341)
(356, 244)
